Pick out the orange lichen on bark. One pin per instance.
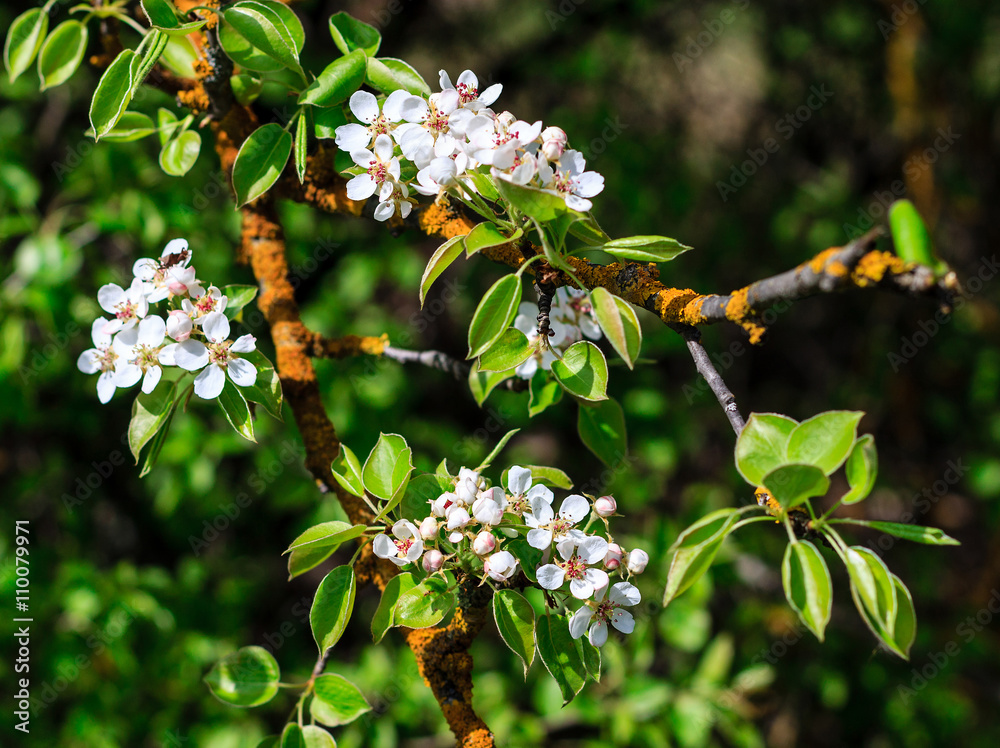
(441, 220)
(675, 304)
(347, 346)
(874, 266)
(824, 263)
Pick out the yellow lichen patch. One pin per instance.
(737, 308)
(874, 266)
(678, 305)
(440, 220)
(818, 263)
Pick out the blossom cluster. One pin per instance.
(571, 317)
(447, 136)
(136, 344)
(474, 523)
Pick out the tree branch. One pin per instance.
(702, 361)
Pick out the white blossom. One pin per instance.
(500, 566)
(548, 527)
(140, 348)
(101, 358)
(405, 549)
(576, 558)
(522, 492)
(597, 615)
(127, 306)
(364, 106)
(217, 358)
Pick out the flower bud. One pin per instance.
(553, 143)
(636, 561)
(484, 543)
(429, 528)
(456, 536)
(605, 506)
(613, 559)
(439, 506)
(433, 561)
(179, 325)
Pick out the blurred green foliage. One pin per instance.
(667, 100)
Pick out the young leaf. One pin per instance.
(543, 391)
(443, 257)
(326, 120)
(24, 39)
(395, 588)
(487, 235)
(131, 126)
(602, 430)
(243, 53)
(515, 621)
(114, 92)
(494, 314)
(247, 677)
(337, 82)
(326, 535)
(314, 736)
(161, 14)
(238, 296)
(62, 53)
(292, 737)
(266, 390)
(509, 351)
(388, 467)
(387, 74)
(862, 469)
(825, 440)
(259, 163)
(236, 410)
(266, 31)
(914, 533)
(583, 371)
(425, 605)
(291, 27)
(347, 471)
(149, 412)
(496, 450)
(178, 155)
(760, 448)
(481, 384)
(543, 206)
(336, 701)
(179, 56)
(307, 559)
(301, 142)
(909, 234)
(549, 476)
(619, 322)
(905, 630)
(807, 584)
(332, 606)
(645, 248)
(695, 549)
(790, 485)
(350, 34)
(560, 655)
(874, 593)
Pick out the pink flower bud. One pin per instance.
(605, 506)
(429, 528)
(179, 325)
(433, 561)
(636, 561)
(553, 143)
(614, 557)
(484, 543)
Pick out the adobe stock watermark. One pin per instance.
(564, 10)
(695, 45)
(55, 343)
(901, 13)
(911, 345)
(786, 126)
(612, 129)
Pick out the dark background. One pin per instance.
(668, 100)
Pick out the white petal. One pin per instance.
(518, 479)
(144, 268)
(598, 578)
(578, 622)
(574, 508)
(539, 538)
(491, 94)
(623, 621)
(244, 344)
(175, 246)
(151, 379)
(581, 589)
(550, 576)
(352, 138)
(361, 187)
(167, 354)
(540, 494)
(578, 203)
(242, 372)
(589, 184)
(126, 376)
(87, 362)
(208, 385)
(364, 106)
(593, 549)
(190, 355)
(384, 211)
(566, 547)
(598, 634)
(101, 340)
(106, 386)
(109, 295)
(152, 330)
(383, 147)
(469, 79)
(392, 107)
(384, 547)
(624, 593)
(216, 326)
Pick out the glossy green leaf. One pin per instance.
(443, 257)
(914, 533)
(236, 410)
(167, 124)
(24, 39)
(266, 389)
(528, 558)
(314, 736)
(179, 155)
(808, 586)
(332, 607)
(336, 701)
(151, 451)
(347, 471)
(909, 233)
(387, 74)
(481, 384)
(62, 53)
(825, 440)
(583, 371)
(383, 620)
(862, 469)
(425, 605)
(602, 430)
(761, 447)
(494, 314)
(326, 120)
(114, 92)
(483, 182)
(247, 677)
(161, 14)
(296, 35)
(149, 412)
(301, 145)
(326, 535)
(591, 657)
(874, 593)
(237, 297)
(542, 206)
(509, 351)
(243, 53)
(549, 476)
(246, 88)
(645, 248)
(543, 392)
(337, 82)
(131, 126)
(905, 630)
(515, 621)
(619, 322)
(695, 549)
(179, 56)
(149, 52)
(486, 235)
(388, 467)
(292, 737)
(259, 163)
(560, 655)
(265, 30)
(350, 34)
(790, 485)
(306, 559)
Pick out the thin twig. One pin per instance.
(692, 336)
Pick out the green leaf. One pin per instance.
(179, 56)
(487, 235)
(425, 605)
(591, 657)
(166, 123)
(905, 630)
(151, 452)
(292, 737)
(549, 476)
(915, 533)
(62, 53)
(387, 74)
(266, 389)
(301, 143)
(350, 34)
(114, 92)
(307, 559)
(560, 655)
(178, 156)
(862, 469)
(484, 183)
(337, 82)
(259, 163)
(347, 471)
(247, 677)
(760, 448)
(161, 14)
(481, 384)
(24, 39)
(270, 742)
(131, 126)
(496, 450)
(807, 584)
(237, 297)
(152, 47)
(326, 535)
(909, 234)
(149, 412)
(326, 121)
(296, 35)
(583, 371)
(825, 440)
(527, 557)
(388, 467)
(515, 621)
(619, 322)
(395, 588)
(790, 485)
(602, 430)
(332, 606)
(316, 737)
(494, 314)
(874, 593)
(246, 88)
(695, 549)
(266, 30)
(544, 207)
(509, 351)
(236, 410)
(543, 392)
(336, 701)
(419, 493)
(645, 248)
(243, 53)
(443, 257)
